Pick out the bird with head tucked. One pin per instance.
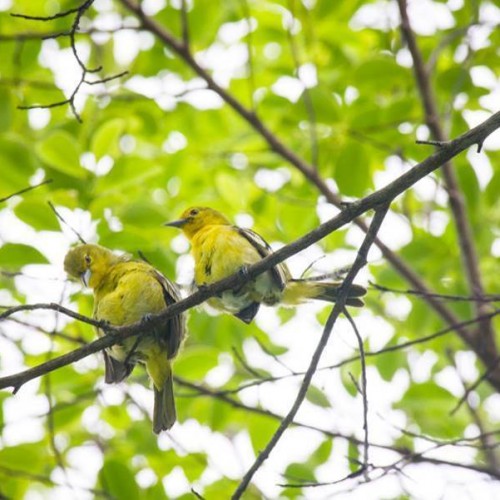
(220, 249)
(126, 292)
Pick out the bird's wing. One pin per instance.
(176, 327)
(280, 272)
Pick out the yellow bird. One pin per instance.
(220, 249)
(125, 292)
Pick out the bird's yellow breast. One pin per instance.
(126, 294)
(220, 251)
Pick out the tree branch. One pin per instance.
(351, 211)
(363, 391)
(29, 188)
(337, 309)
(385, 350)
(71, 34)
(306, 169)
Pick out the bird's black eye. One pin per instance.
(195, 211)
(88, 259)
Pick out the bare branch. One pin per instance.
(312, 175)
(85, 5)
(205, 391)
(441, 296)
(475, 385)
(244, 364)
(364, 393)
(60, 217)
(53, 307)
(374, 200)
(185, 22)
(71, 33)
(337, 309)
(25, 190)
(107, 79)
(353, 359)
(306, 94)
(439, 144)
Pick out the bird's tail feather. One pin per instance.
(164, 414)
(300, 290)
(115, 371)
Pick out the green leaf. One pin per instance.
(317, 397)
(22, 460)
(429, 405)
(106, 137)
(6, 107)
(352, 170)
(17, 255)
(380, 71)
(388, 364)
(61, 151)
(118, 480)
(493, 188)
(321, 454)
(353, 455)
(347, 372)
(196, 361)
(296, 472)
(18, 164)
(3, 397)
(22, 457)
(37, 213)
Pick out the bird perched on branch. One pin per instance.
(126, 292)
(220, 249)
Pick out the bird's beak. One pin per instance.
(85, 277)
(176, 223)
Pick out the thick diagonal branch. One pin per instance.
(275, 144)
(383, 196)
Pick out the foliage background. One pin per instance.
(334, 82)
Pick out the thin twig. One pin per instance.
(250, 65)
(25, 190)
(28, 475)
(441, 296)
(197, 495)
(487, 445)
(107, 79)
(306, 94)
(205, 391)
(307, 484)
(59, 216)
(185, 23)
(64, 13)
(71, 34)
(439, 144)
(364, 393)
(474, 386)
(244, 364)
(74, 28)
(273, 356)
(353, 359)
(337, 309)
(48, 35)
